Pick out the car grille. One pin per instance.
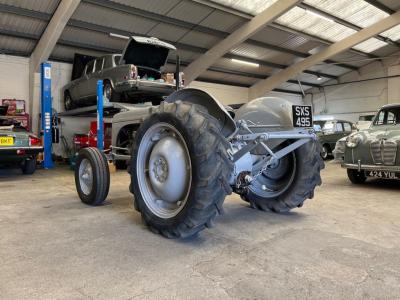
(384, 152)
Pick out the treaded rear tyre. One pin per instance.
(97, 192)
(209, 173)
(356, 177)
(307, 176)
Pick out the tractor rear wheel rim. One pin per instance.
(276, 180)
(164, 170)
(86, 176)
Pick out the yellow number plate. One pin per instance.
(6, 141)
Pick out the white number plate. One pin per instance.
(302, 116)
(383, 174)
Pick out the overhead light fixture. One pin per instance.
(243, 62)
(119, 36)
(319, 78)
(319, 15)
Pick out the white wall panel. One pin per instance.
(14, 78)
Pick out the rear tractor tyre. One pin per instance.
(288, 184)
(356, 177)
(180, 170)
(92, 176)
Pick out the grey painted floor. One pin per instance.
(343, 244)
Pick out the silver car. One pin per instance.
(134, 74)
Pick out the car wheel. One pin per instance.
(325, 152)
(109, 93)
(356, 177)
(29, 166)
(68, 102)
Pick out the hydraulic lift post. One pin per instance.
(100, 123)
(46, 106)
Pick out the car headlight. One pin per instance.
(353, 140)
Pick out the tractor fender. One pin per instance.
(274, 112)
(214, 107)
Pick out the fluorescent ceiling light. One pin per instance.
(319, 15)
(120, 36)
(245, 62)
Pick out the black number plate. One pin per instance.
(383, 174)
(302, 116)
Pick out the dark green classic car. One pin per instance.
(329, 132)
(18, 146)
(375, 152)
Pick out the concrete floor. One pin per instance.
(343, 244)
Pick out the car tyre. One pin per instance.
(68, 101)
(325, 153)
(29, 166)
(356, 177)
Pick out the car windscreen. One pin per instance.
(388, 116)
(145, 55)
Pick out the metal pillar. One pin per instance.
(45, 78)
(100, 123)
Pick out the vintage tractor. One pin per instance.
(189, 153)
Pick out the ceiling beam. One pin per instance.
(381, 6)
(107, 30)
(227, 82)
(264, 86)
(195, 27)
(344, 22)
(237, 37)
(52, 33)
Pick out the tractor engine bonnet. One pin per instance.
(274, 112)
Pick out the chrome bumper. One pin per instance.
(361, 167)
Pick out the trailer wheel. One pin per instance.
(92, 176)
(180, 169)
(289, 183)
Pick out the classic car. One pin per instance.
(365, 120)
(18, 146)
(329, 132)
(375, 152)
(135, 74)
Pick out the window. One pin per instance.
(391, 118)
(99, 64)
(388, 116)
(108, 62)
(347, 127)
(328, 126)
(339, 127)
(116, 59)
(89, 67)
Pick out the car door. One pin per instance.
(91, 83)
(82, 88)
(348, 128)
(76, 86)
